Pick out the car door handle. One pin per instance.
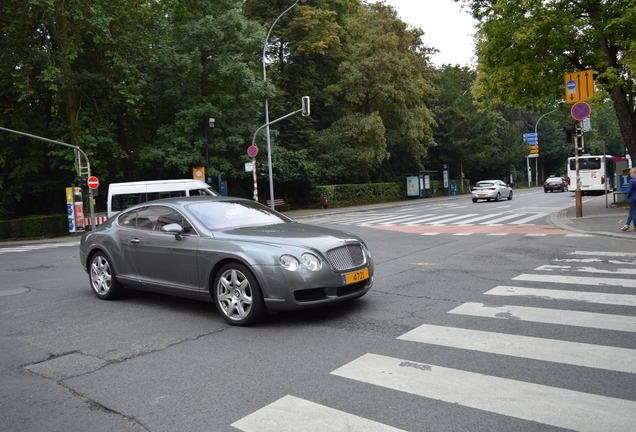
(135, 240)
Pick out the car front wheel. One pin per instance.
(102, 277)
(510, 196)
(474, 200)
(237, 295)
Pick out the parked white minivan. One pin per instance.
(124, 195)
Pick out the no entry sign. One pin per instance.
(93, 182)
(580, 110)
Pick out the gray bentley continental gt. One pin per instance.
(241, 255)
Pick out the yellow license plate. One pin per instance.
(356, 276)
(482, 195)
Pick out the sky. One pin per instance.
(446, 27)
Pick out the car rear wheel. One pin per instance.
(510, 196)
(498, 196)
(102, 277)
(474, 200)
(237, 295)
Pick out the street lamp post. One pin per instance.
(536, 162)
(267, 123)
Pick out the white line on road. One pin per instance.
(550, 316)
(528, 219)
(577, 280)
(428, 219)
(594, 260)
(463, 234)
(536, 235)
(533, 402)
(584, 296)
(369, 221)
(501, 219)
(469, 221)
(429, 234)
(403, 219)
(604, 253)
(567, 268)
(292, 414)
(574, 353)
(445, 221)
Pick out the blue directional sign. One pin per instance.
(531, 138)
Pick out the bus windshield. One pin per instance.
(586, 163)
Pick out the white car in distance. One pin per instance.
(491, 190)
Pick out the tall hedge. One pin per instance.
(361, 192)
(34, 226)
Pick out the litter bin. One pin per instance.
(453, 189)
(324, 201)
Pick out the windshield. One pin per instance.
(586, 164)
(220, 215)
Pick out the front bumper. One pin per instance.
(302, 289)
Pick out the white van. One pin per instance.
(124, 195)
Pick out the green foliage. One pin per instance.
(360, 192)
(34, 226)
(525, 47)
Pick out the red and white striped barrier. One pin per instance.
(99, 219)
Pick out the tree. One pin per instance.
(525, 47)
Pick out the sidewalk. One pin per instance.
(596, 219)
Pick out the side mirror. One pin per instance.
(173, 228)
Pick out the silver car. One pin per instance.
(491, 190)
(241, 255)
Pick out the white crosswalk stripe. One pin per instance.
(400, 220)
(595, 260)
(574, 353)
(482, 217)
(501, 219)
(567, 268)
(549, 316)
(528, 219)
(534, 402)
(27, 248)
(550, 294)
(452, 219)
(577, 280)
(292, 414)
(605, 254)
(428, 218)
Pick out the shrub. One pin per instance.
(34, 226)
(361, 192)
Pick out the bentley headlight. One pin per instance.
(311, 261)
(289, 262)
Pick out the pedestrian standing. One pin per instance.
(631, 199)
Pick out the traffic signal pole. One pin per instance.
(77, 149)
(578, 194)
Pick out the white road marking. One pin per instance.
(498, 234)
(584, 296)
(567, 268)
(604, 253)
(427, 219)
(429, 234)
(579, 235)
(574, 353)
(445, 221)
(402, 220)
(550, 316)
(292, 414)
(374, 220)
(501, 219)
(577, 280)
(463, 234)
(535, 235)
(594, 260)
(533, 402)
(27, 248)
(529, 218)
(488, 216)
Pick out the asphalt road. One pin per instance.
(471, 326)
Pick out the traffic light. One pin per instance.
(84, 184)
(568, 133)
(579, 136)
(260, 170)
(306, 106)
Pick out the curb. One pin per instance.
(559, 219)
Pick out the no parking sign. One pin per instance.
(580, 110)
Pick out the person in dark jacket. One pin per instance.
(631, 198)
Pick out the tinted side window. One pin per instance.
(151, 196)
(128, 219)
(123, 201)
(199, 192)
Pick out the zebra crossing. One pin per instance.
(520, 399)
(446, 219)
(32, 247)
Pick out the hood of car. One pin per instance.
(295, 234)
